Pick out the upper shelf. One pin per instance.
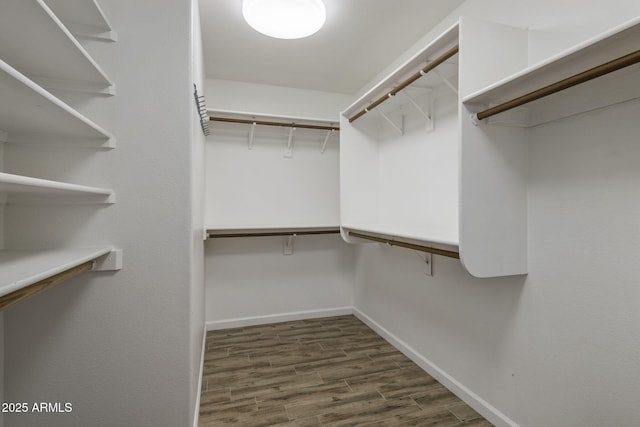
(24, 189)
(31, 113)
(611, 45)
(54, 58)
(84, 18)
(432, 51)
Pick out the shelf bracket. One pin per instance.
(253, 128)
(109, 262)
(288, 245)
(446, 81)
(430, 125)
(288, 149)
(392, 123)
(324, 144)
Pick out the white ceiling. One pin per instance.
(360, 38)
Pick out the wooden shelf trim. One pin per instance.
(421, 248)
(42, 285)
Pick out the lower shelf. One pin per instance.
(270, 231)
(434, 246)
(20, 269)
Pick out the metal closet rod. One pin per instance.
(420, 248)
(585, 76)
(31, 290)
(439, 60)
(277, 233)
(270, 123)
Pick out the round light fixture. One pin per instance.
(285, 19)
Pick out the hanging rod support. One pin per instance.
(427, 116)
(420, 248)
(430, 66)
(446, 82)
(395, 126)
(288, 149)
(253, 128)
(576, 79)
(326, 139)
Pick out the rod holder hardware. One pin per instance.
(590, 74)
(288, 148)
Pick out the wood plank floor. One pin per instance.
(320, 372)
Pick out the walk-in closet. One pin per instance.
(412, 212)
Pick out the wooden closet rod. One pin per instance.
(600, 70)
(31, 290)
(421, 248)
(439, 60)
(276, 233)
(269, 123)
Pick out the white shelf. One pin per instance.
(610, 45)
(23, 189)
(84, 18)
(53, 57)
(21, 268)
(28, 112)
(434, 240)
(448, 69)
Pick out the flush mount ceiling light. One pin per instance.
(284, 19)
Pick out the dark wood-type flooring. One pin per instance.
(320, 372)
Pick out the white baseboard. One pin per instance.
(476, 402)
(277, 318)
(200, 375)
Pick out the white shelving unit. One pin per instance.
(406, 145)
(30, 114)
(493, 182)
(72, 68)
(483, 212)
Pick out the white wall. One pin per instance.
(560, 345)
(122, 347)
(249, 280)
(196, 289)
